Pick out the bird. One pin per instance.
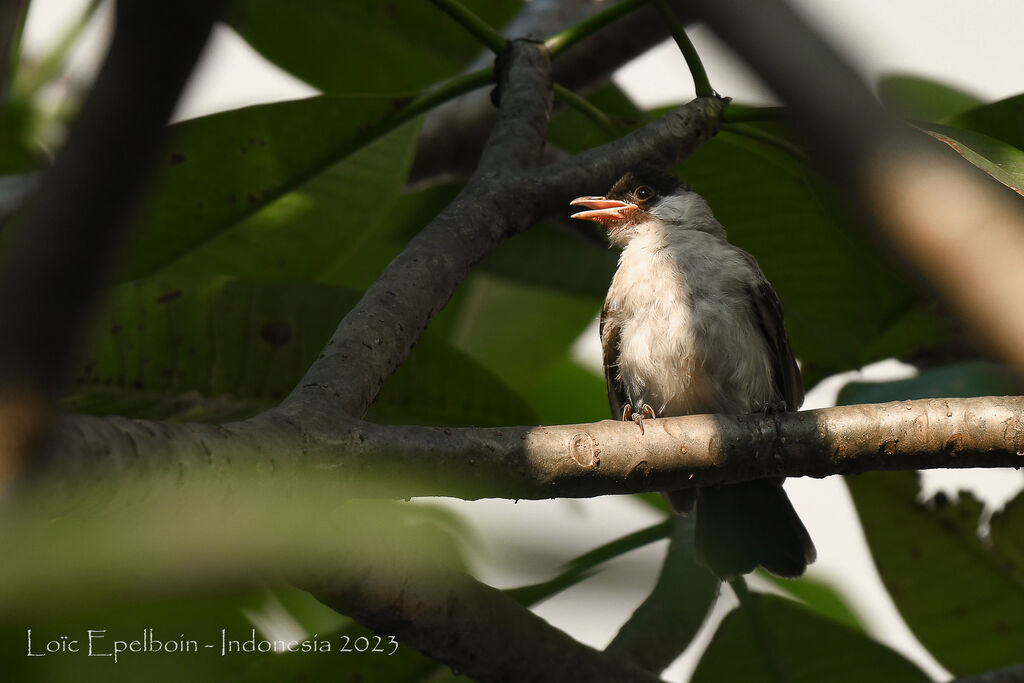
(691, 325)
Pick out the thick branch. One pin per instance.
(454, 134)
(584, 460)
(477, 630)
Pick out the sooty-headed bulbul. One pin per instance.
(691, 325)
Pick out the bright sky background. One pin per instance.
(975, 46)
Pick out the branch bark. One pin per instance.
(582, 460)
(475, 629)
(454, 134)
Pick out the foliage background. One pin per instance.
(259, 271)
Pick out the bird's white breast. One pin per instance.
(688, 343)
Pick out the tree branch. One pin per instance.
(582, 460)
(453, 134)
(475, 629)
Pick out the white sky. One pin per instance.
(972, 45)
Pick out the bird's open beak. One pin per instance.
(602, 209)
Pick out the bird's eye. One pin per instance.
(643, 193)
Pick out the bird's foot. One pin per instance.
(774, 408)
(646, 411)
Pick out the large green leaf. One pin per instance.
(359, 46)
(838, 293)
(818, 596)
(999, 159)
(769, 639)
(1002, 120)
(305, 233)
(963, 597)
(523, 334)
(923, 99)
(220, 169)
(223, 348)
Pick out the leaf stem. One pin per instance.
(480, 29)
(585, 107)
(560, 42)
(448, 90)
(700, 77)
(740, 113)
(767, 138)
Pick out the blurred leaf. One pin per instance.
(923, 99)
(574, 132)
(584, 566)
(522, 334)
(675, 609)
(556, 256)
(922, 327)
(224, 348)
(1002, 120)
(962, 380)
(308, 231)
(362, 46)
(406, 665)
(1002, 161)
(819, 597)
(220, 169)
(768, 638)
(837, 292)
(359, 262)
(1006, 533)
(959, 595)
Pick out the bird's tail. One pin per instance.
(741, 526)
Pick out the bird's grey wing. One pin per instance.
(768, 313)
(610, 328)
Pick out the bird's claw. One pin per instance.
(646, 411)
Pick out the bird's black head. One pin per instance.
(631, 202)
(644, 186)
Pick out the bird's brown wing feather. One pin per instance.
(609, 330)
(768, 313)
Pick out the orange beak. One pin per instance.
(602, 209)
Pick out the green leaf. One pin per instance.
(574, 132)
(1006, 533)
(567, 258)
(819, 597)
(838, 293)
(962, 380)
(769, 638)
(522, 334)
(1001, 160)
(1003, 120)
(307, 232)
(584, 566)
(225, 348)
(923, 99)
(960, 596)
(362, 46)
(220, 169)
